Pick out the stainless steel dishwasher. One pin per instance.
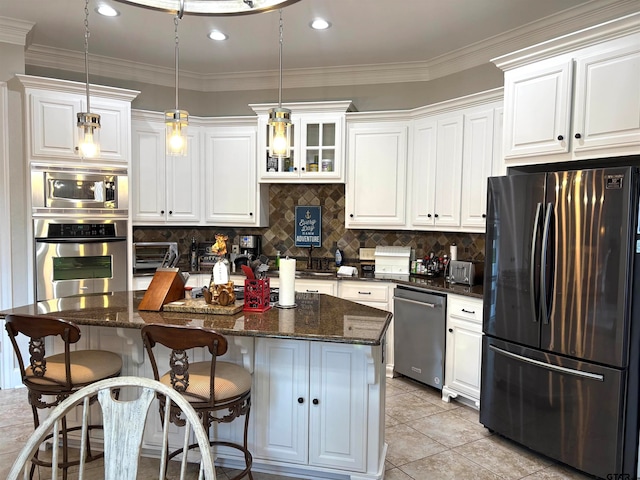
(419, 334)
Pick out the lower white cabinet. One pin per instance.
(315, 404)
(328, 287)
(463, 349)
(372, 294)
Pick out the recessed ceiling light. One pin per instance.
(320, 24)
(217, 35)
(107, 10)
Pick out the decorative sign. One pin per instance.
(308, 226)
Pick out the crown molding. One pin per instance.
(584, 16)
(14, 31)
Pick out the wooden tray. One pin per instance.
(198, 305)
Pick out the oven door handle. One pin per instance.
(82, 240)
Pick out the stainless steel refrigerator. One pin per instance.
(560, 350)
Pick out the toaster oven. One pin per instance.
(149, 256)
(466, 273)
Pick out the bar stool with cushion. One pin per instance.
(51, 379)
(219, 391)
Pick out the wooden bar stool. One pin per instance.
(219, 391)
(56, 377)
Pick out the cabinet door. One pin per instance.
(280, 401)
(537, 102)
(321, 147)
(375, 191)
(53, 124)
(148, 173)
(607, 98)
(114, 128)
(183, 182)
(232, 193)
(477, 162)
(338, 410)
(422, 172)
(464, 348)
(448, 172)
(273, 169)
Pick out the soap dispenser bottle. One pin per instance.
(338, 258)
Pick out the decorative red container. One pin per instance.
(257, 295)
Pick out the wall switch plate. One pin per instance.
(235, 248)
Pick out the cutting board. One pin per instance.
(198, 305)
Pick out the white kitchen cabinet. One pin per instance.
(477, 164)
(577, 97)
(305, 285)
(318, 146)
(311, 401)
(463, 349)
(377, 175)
(453, 152)
(233, 196)
(52, 106)
(372, 294)
(165, 189)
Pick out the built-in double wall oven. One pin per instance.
(79, 256)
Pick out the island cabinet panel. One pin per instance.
(310, 403)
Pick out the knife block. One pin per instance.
(166, 286)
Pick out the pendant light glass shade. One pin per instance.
(280, 120)
(88, 123)
(176, 120)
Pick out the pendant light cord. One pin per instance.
(86, 49)
(280, 60)
(178, 17)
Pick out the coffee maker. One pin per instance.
(250, 245)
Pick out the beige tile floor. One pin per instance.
(428, 439)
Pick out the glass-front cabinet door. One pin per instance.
(317, 145)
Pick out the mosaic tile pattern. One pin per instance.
(283, 198)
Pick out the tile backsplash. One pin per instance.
(279, 236)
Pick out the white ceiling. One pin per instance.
(370, 41)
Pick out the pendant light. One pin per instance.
(176, 121)
(88, 123)
(280, 120)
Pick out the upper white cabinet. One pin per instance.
(318, 146)
(453, 151)
(375, 189)
(51, 113)
(165, 189)
(233, 195)
(577, 97)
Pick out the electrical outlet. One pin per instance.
(235, 248)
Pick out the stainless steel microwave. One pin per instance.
(67, 190)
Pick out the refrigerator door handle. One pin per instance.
(544, 307)
(532, 266)
(556, 368)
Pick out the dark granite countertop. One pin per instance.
(317, 317)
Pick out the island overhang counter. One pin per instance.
(318, 371)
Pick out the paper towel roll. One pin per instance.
(287, 295)
(453, 252)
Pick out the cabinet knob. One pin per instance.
(251, 214)
(162, 212)
(170, 212)
(451, 330)
(577, 135)
(484, 215)
(316, 401)
(351, 215)
(302, 168)
(428, 215)
(435, 215)
(300, 400)
(295, 169)
(560, 137)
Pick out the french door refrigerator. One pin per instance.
(560, 350)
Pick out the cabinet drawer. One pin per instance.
(468, 309)
(327, 287)
(364, 292)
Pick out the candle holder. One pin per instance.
(257, 295)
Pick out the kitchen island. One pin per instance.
(318, 391)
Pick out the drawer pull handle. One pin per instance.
(364, 293)
(312, 291)
(472, 312)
